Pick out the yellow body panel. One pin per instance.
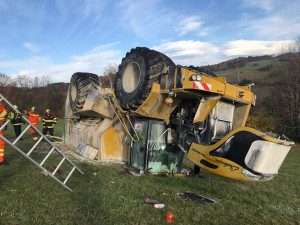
(113, 145)
(216, 86)
(155, 105)
(205, 107)
(226, 168)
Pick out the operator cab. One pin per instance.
(151, 151)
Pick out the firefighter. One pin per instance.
(3, 115)
(49, 122)
(16, 121)
(33, 118)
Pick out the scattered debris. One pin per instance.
(185, 171)
(188, 195)
(170, 218)
(85, 150)
(122, 197)
(135, 174)
(151, 200)
(109, 183)
(159, 206)
(124, 173)
(94, 174)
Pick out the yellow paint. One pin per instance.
(113, 145)
(226, 168)
(205, 107)
(155, 105)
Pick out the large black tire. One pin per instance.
(140, 68)
(81, 84)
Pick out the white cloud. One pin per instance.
(185, 52)
(32, 47)
(276, 27)
(204, 32)
(266, 5)
(202, 53)
(189, 24)
(10, 64)
(281, 20)
(93, 61)
(190, 52)
(246, 47)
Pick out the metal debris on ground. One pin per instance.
(159, 206)
(87, 151)
(188, 195)
(185, 171)
(151, 200)
(122, 197)
(124, 173)
(135, 174)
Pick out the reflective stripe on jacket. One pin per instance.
(15, 118)
(49, 120)
(33, 117)
(3, 113)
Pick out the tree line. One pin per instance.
(25, 91)
(279, 111)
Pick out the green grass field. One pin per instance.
(255, 65)
(250, 71)
(28, 197)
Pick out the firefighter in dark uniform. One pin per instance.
(49, 122)
(16, 120)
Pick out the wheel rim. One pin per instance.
(73, 92)
(131, 77)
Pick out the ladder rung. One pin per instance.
(2, 127)
(69, 175)
(36, 144)
(61, 162)
(47, 156)
(21, 135)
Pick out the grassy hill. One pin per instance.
(255, 71)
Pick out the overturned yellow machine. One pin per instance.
(157, 112)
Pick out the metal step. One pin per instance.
(45, 139)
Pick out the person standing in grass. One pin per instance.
(49, 121)
(33, 118)
(16, 120)
(3, 115)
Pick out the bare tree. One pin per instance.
(109, 75)
(5, 80)
(284, 98)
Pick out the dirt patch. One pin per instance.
(245, 187)
(296, 147)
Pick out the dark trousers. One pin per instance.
(45, 130)
(17, 129)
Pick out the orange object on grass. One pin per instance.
(170, 218)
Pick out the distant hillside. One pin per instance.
(260, 70)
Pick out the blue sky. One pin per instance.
(59, 37)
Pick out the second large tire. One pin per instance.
(133, 80)
(81, 84)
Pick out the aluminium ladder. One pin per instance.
(42, 137)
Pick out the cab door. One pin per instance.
(138, 149)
